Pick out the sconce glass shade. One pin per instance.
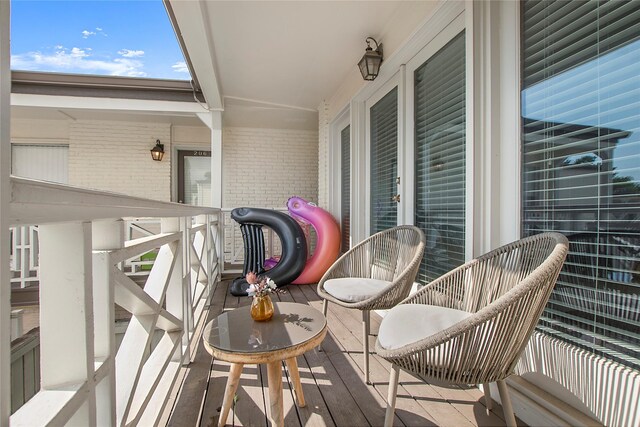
(370, 63)
(157, 152)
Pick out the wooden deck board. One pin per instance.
(332, 382)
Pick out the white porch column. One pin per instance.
(5, 167)
(213, 120)
(66, 309)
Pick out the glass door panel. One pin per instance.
(383, 131)
(194, 177)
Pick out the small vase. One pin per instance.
(261, 308)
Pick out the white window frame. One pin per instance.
(342, 120)
(452, 29)
(388, 86)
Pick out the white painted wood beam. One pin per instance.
(38, 202)
(106, 236)
(131, 297)
(5, 170)
(152, 374)
(135, 247)
(105, 104)
(192, 19)
(168, 259)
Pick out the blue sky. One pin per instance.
(120, 38)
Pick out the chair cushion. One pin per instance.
(408, 323)
(354, 289)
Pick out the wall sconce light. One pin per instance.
(157, 152)
(370, 62)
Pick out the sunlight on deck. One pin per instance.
(332, 381)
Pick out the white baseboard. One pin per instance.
(536, 407)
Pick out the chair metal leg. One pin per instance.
(365, 337)
(391, 397)
(509, 417)
(487, 397)
(325, 308)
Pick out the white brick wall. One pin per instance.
(264, 167)
(114, 156)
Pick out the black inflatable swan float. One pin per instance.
(294, 246)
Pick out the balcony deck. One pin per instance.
(332, 382)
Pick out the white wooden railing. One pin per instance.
(84, 380)
(24, 255)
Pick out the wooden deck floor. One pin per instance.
(332, 381)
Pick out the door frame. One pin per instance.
(397, 80)
(448, 33)
(180, 155)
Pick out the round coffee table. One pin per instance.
(235, 337)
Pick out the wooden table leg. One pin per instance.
(274, 374)
(292, 365)
(230, 392)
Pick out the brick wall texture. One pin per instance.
(264, 167)
(114, 156)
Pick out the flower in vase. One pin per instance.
(260, 285)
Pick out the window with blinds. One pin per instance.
(440, 158)
(345, 187)
(581, 165)
(43, 162)
(384, 162)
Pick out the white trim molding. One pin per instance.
(336, 126)
(5, 195)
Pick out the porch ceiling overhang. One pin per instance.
(288, 54)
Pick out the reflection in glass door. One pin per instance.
(384, 162)
(194, 177)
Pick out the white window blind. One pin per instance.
(581, 165)
(345, 186)
(440, 158)
(43, 162)
(384, 162)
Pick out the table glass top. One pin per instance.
(292, 324)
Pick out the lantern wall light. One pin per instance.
(157, 152)
(370, 62)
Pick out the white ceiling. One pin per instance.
(293, 53)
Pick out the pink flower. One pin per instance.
(252, 278)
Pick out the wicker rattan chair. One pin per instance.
(374, 275)
(470, 325)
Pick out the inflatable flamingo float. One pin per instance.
(328, 241)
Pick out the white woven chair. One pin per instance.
(470, 325)
(375, 274)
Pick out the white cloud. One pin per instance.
(76, 52)
(87, 33)
(128, 53)
(98, 29)
(180, 67)
(77, 60)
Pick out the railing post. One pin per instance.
(107, 236)
(66, 312)
(177, 287)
